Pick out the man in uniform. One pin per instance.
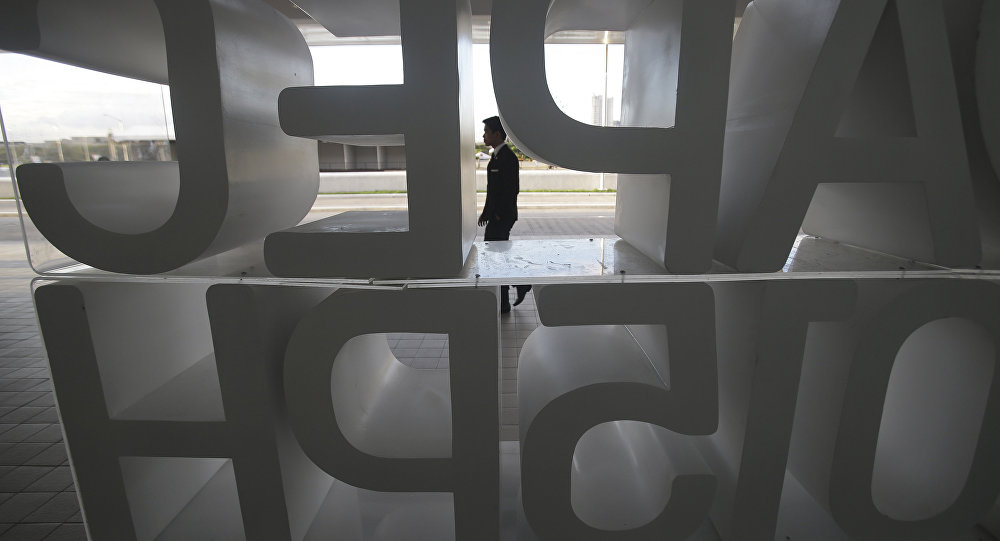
(502, 187)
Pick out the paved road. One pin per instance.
(532, 223)
(10, 229)
(325, 203)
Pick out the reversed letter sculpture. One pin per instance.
(669, 151)
(662, 407)
(853, 101)
(432, 109)
(239, 177)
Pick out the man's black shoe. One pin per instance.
(521, 292)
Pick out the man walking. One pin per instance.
(502, 187)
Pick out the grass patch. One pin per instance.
(367, 192)
(569, 191)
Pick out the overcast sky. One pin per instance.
(42, 100)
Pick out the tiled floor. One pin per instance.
(37, 496)
(423, 351)
(430, 351)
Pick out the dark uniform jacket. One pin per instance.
(502, 186)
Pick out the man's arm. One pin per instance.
(509, 182)
(491, 197)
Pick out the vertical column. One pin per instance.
(350, 159)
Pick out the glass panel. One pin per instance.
(59, 113)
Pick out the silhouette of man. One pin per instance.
(502, 187)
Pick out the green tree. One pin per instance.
(517, 152)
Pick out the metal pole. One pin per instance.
(604, 98)
(163, 102)
(112, 149)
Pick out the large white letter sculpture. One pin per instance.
(698, 408)
(899, 367)
(670, 150)
(762, 331)
(469, 467)
(853, 94)
(931, 509)
(168, 417)
(576, 378)
(239, 177)
(433, 111)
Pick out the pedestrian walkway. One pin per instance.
(37, 497)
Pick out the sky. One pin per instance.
(42, 100)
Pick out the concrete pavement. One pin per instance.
(526, 200)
